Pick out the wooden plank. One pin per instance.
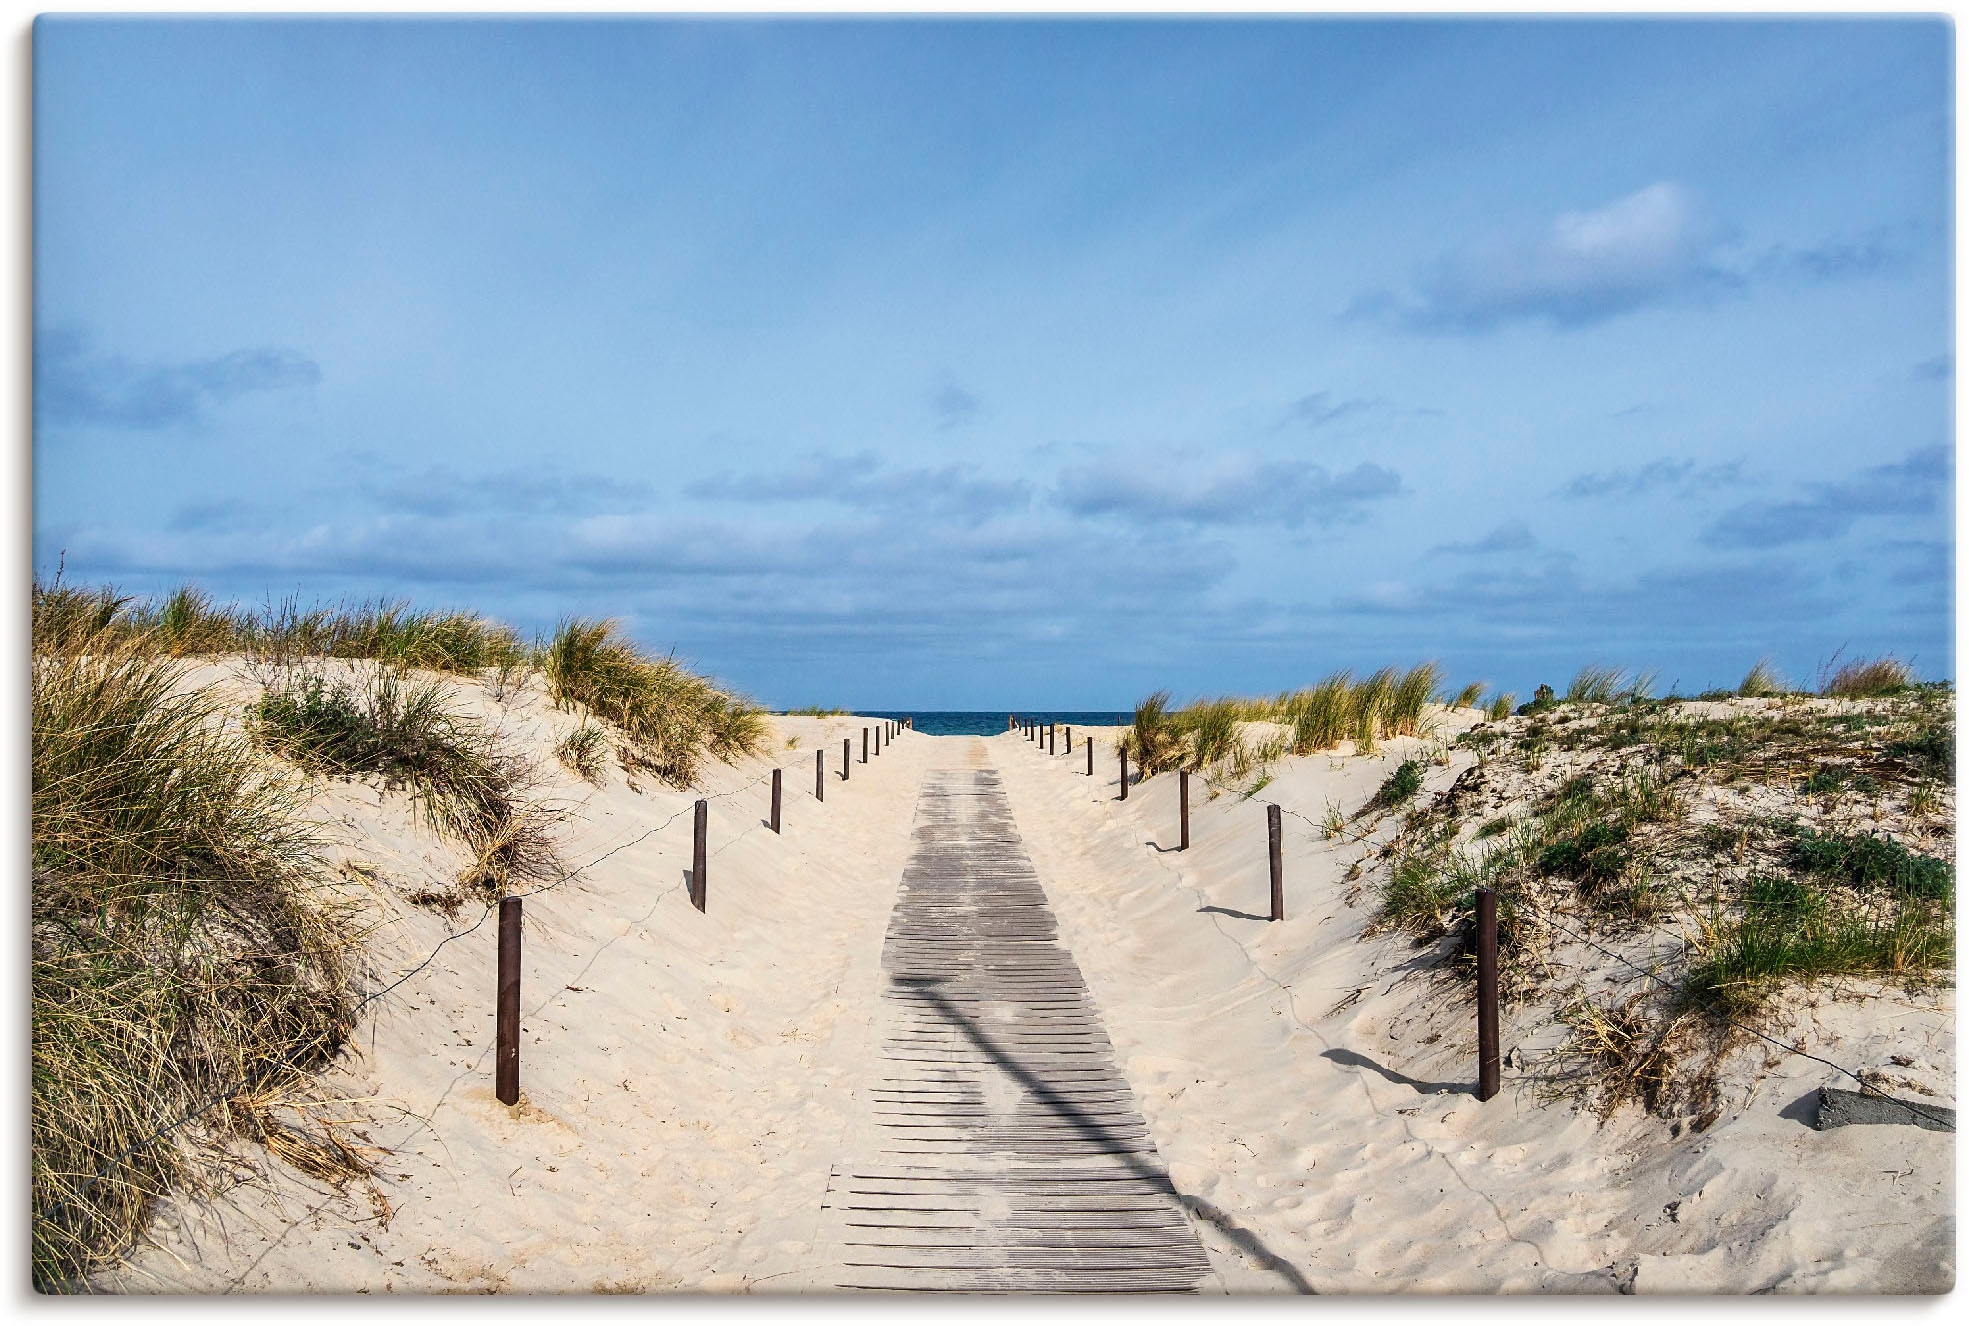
(1011, 1157)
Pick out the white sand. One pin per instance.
(690, 1079)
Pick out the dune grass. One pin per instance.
(179, 945)
(1787, 929)
(1594, 684)
(1868, 678)
(1206, 734)
(672, 717)
(1761, 681)
(383, 722)
(584, 753)
(187, 623)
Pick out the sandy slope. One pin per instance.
(685, 1076)
(689, 1080)
(1315, 1087)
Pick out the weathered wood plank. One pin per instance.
(1012, 1157)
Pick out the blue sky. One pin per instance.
(994, 363)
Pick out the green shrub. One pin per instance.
(1932, 751)
(1398, 789)
(1594, 856)
(1868, 862)
(1541, 699)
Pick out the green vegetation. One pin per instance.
(1500, 707)
(1205, 734)
(1541, 699)
(1768, 887)
(178, 943)
(1467, 697)
(1398, 789)
(815, 711)
(1788, 930)
(1869, 862)
(383, 723)
(671, 717)
(186, 623)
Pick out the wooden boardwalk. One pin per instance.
(1004, 1151)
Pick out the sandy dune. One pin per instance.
(691, 1080)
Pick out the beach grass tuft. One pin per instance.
(385, 723)
(1761, 681)
(1868, 678)
(672, 717)
(180, 944)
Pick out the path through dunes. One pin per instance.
(1003, 1149)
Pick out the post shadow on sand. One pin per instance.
(1232, 911)
(1354, 1059)
(1094, 1131)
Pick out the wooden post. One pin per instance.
(1487, 1066)
(1069, 738)
(1274, 829)
(820, 775)
(1124, 771)
(1183, 801)
(775, 801)
(1090, 757)
(847, 757)
(700, 826)
(864, 745)
(506, 1057)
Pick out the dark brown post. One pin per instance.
(847, 756)
(1052, 738)
(1183, 801)
(820, 775)
(864, 745)
(1069, 738)
(700, 825)
(1090, 757)
(1487, 1068)
(775, 801)
(506, 1058)
(1275, 830)
(1124, 771)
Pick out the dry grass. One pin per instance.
(1206, 734)
(179, 944)
(672, 717)
(187, 623)
(1762, 680)
(584, 753)
(1864, 678)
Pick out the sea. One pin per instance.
(985, 723)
